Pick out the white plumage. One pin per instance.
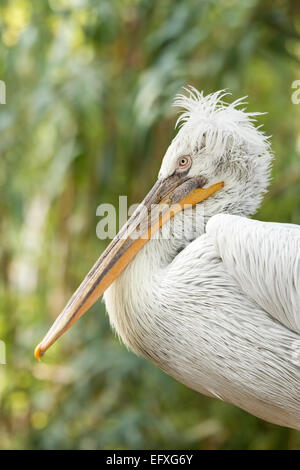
(218, 308)
(216, 303)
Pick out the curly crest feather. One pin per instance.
(211, 117)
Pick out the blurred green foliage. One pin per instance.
(88, 117)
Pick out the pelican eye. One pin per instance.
(184, 162)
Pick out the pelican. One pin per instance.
(216, 303)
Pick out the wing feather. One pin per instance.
(264, 259)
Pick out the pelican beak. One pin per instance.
(167, 197)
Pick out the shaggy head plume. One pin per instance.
(218, 121)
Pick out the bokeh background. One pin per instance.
(88, 117)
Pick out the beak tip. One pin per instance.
(37, 352)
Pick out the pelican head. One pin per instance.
(222, 144)
(218, 162)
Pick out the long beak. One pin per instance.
(166, 198)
